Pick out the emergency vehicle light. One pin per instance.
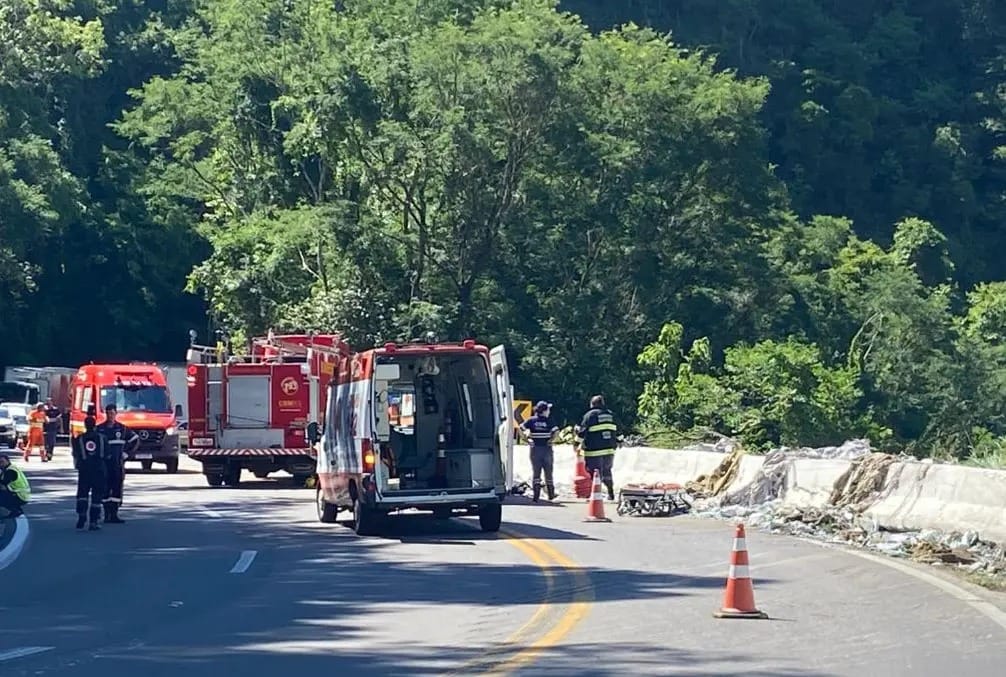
(192, 370)
(368, 455)
(390, 346)
(469, 344)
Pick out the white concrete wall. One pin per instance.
(915, 496)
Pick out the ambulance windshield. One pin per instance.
(148, 399)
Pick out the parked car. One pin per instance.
(8, 430)
(18, 412)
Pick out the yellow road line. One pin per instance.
(514, 652)
(577, 610)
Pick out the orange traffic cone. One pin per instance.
(595, 507)
(738, 599)
(581, 480)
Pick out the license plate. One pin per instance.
(143, 457)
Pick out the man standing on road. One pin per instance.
(541, 433)
(117, 437)
(53, 422)
(14, 488)
(599, 439)
(89, 459)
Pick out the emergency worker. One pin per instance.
(89, 458)
(599, 439)
(14, 488)
(118, 441)
(53, 422)
(541, 433)
(36, 434)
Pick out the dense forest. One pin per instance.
(777, 219)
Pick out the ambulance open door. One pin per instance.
(504, 427)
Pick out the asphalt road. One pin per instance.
(203, 581)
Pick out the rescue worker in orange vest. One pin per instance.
(36, 433)
(599, 435)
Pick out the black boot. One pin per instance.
(551, 491)
(95, 516)
(611, 490)
(115, 515)
(537, 493)
(80, 521)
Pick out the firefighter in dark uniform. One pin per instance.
(89, 459)
(541, 432)
(599, 439)
(118, 441)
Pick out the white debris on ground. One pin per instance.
(842, 521)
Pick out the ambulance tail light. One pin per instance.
(368, 455)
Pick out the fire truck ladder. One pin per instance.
(293, 351)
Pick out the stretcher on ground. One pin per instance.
(662, 499)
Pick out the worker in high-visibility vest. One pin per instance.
(599, 439)
(36, 433)
(14, 489)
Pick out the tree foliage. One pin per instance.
(782, 222)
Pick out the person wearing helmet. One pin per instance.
(541, 433)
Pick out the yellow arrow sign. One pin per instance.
(521, 411)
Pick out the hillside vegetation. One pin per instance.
(783, 222)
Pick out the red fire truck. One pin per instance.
(251, 412)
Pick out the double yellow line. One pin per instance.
(559, 612)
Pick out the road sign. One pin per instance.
(521, 411)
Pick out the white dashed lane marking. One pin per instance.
(244, 561)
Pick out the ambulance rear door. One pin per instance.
(504, 425)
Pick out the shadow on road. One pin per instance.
(317, 597)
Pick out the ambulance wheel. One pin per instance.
(365, 520)
(491, 517)
(327, 512)
(215, 480)
(171, 466)
(147, 465)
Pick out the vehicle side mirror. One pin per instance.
(313, 432)
(178, 410)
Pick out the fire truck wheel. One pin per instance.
(147, 465)
(171, 466)
(232, 477)
(365, 520)
(490, 517)
(327, 512)
(215, 480)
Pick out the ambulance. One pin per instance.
(139, 392)
(422, 426)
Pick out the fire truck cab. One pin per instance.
(251, 412)
(422, 425)
(140, 394)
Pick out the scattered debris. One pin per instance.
(842, 520)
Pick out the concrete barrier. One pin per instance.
(945, 497)
(915, 495)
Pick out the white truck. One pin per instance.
(31, 385)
